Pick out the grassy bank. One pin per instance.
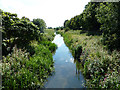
(22, 70)
(100, 67)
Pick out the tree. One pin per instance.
(40, 23)
(17, 31)
(108, 16)
(49, 27)
(67, 23)
(90, 21)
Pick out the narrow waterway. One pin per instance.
(66, 74)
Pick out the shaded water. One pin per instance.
(66, 74)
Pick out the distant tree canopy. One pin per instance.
(101, 17)
(86, 20)
(59, 28)
(40, 23)
(49, 27)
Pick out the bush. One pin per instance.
(102, 71)
(42, 62)
(67, 29)
(78, 51)
(52, 46)
(13, 68)
(20, 71)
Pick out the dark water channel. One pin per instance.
(66, 74)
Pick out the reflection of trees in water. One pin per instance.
(78, 67)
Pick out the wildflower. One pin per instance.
(105, 78)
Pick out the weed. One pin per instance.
(101, 68)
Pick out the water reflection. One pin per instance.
(57, 40)
(78, 68)
(67, 74)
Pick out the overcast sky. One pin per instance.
(53, 12)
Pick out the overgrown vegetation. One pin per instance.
(102, 18)
(100, 67)
(93, 38)
(97, 31)
(27, 53)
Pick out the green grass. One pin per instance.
(100, 68)
(49, 33)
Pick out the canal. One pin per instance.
(66, 73)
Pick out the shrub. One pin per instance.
(20, 71)
(13, 70)
(67, 29)
(102, 70)
(78, 51)
(52, 46)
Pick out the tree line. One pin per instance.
(19, 31)
(99, 17)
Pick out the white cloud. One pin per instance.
(54, 12)
(72, 60)
(58, 40)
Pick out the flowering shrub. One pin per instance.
(20, 71)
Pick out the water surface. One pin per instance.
(66, 73)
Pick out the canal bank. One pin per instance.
(99, 67)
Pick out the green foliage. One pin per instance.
(59, 28)
(101, 69)
(89, 19)
(101, 17)
(14, 72)
(17, 31)
(49, 27)
(20, 71)
(40, 23)
(67, 23)
(86, 20)
(78, 51)
(109, 24)
(52, 46)
(43, 61)
(67, 29)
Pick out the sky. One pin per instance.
(53, 12)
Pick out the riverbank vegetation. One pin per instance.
(93, 38)
(100, 68)
(26, 51)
